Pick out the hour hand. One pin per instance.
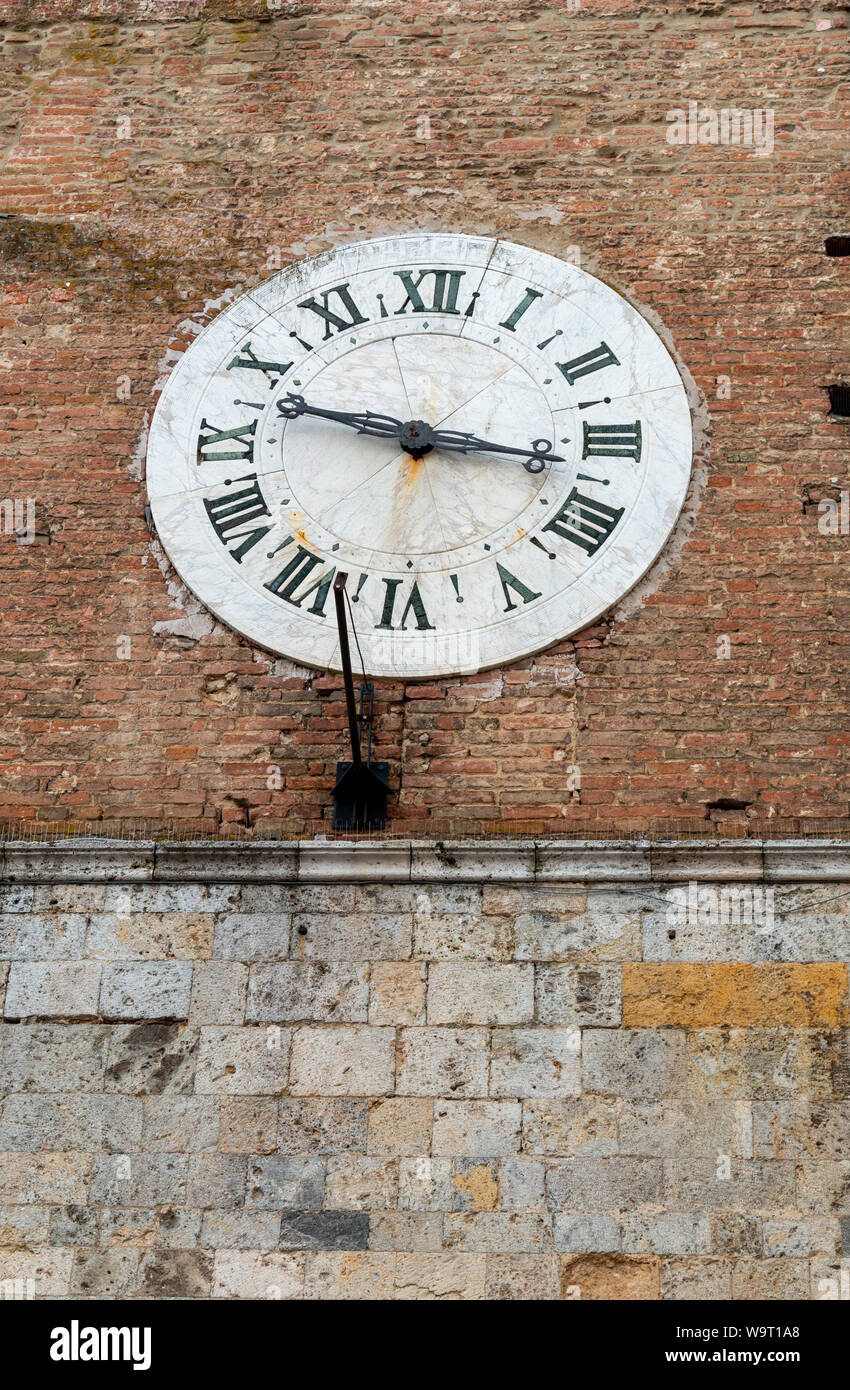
(365, 422)
(536, 456)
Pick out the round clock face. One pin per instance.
(491, 445)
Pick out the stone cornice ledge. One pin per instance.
(425, 861)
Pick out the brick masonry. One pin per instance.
(158, 155)
(423, 1071)
(377, 1090)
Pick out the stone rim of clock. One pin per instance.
(615, 568)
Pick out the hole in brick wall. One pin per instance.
(837, 245)
(814, 493)
(727, 803)
(839, 400)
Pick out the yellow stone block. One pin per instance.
(667, 994)
(607, 1277)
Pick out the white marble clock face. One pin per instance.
(574, 470)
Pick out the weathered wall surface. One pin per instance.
(377, 1090)
(157, 155)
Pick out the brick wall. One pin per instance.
(156, 156)
(373, 1089)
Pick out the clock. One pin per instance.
(490, 443)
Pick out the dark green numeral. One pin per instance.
(414, 603)
(210, 436)
(246, 358)
(584, 521)
(510, 581)
(286, 584)
(525, 303)
(444, 291)
(237, 509)
(331, 318)
(612, 441)
(591, 361)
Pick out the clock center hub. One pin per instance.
(416, 438)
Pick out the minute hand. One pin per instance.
(365, 422)
(536, 456)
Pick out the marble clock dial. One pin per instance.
(492, 444)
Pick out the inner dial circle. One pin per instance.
(370, 494)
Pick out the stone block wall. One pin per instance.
(378, 1089)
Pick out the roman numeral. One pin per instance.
(237, 509)
(525, 303)
(584, 521)
(510, 581)
(592, 361)
(246, 358)
(293, 575)
(210, 436)
(445, 291)
(414, 602)
(612, 441)
(331, 318)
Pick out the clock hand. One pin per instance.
(415, 436)
(536, 456)
(365, 422)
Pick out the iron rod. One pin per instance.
(345, 657)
